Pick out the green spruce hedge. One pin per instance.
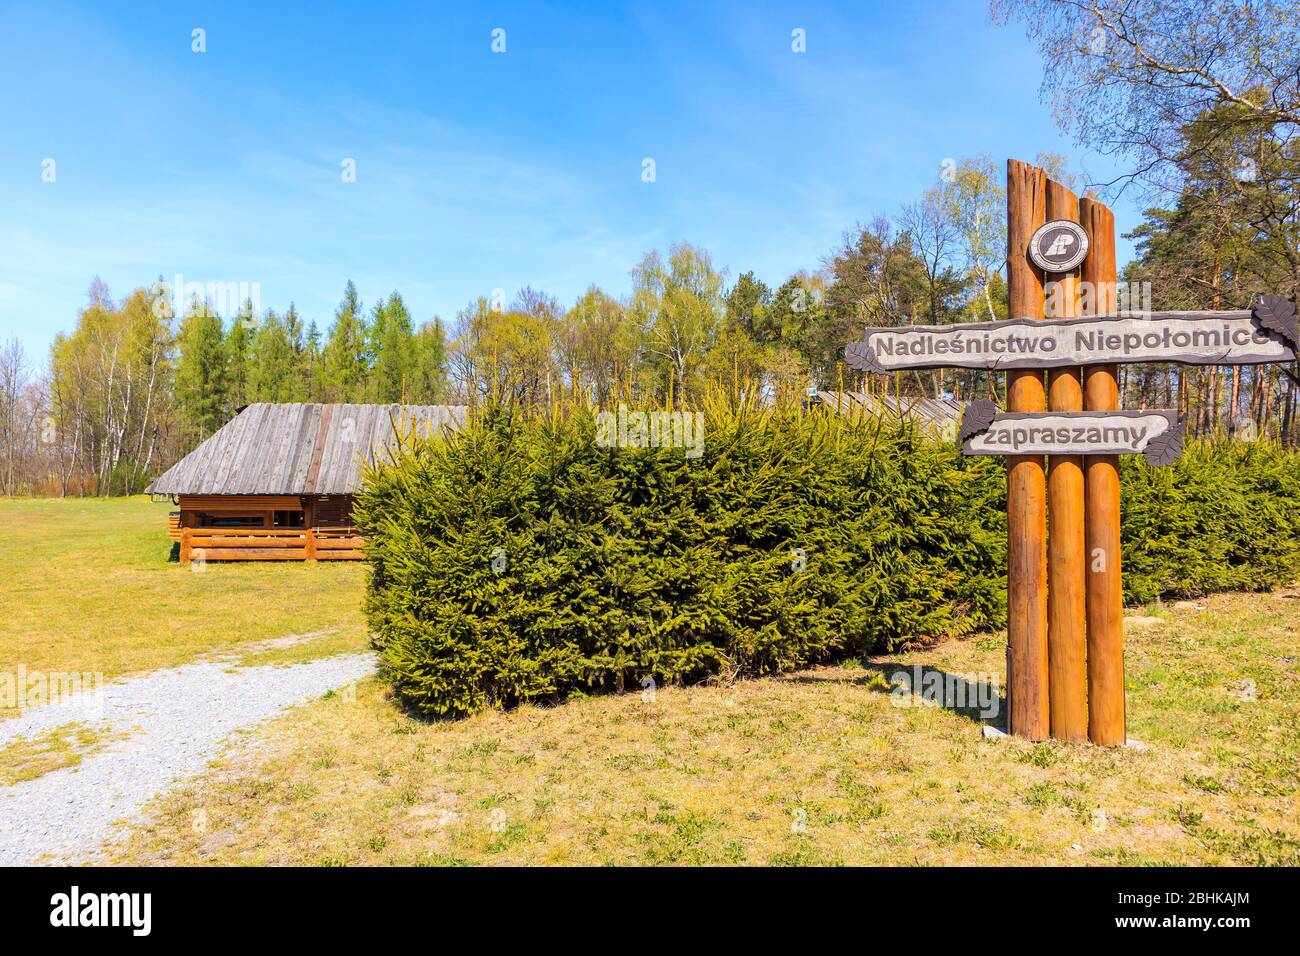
(519, 560)
(1223, 517)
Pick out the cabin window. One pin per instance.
(289, 519)
(220, 520)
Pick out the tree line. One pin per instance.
(132, 388)
(376, 357)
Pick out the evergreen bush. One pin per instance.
(519, 560)
(1223, 517)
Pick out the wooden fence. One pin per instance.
(264, 544)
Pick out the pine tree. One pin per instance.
(200, 386)
(293, 326)
(310, 365)
(429, 368)
(393, 348)
(239, 342)
(748, 306)
(344, 359)
(298, 371)
(271, 376)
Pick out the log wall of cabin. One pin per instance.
(325, 533)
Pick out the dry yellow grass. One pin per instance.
(818, 767)
(26, 758)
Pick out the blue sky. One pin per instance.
(477, 170)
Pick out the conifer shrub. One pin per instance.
(520, 560)
(1223, 517)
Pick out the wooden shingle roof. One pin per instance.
(297, 449)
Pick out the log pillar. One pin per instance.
(1027, 680)
(1066, 577)
(1105, 588)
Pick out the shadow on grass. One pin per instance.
(977, 701)
(920, 685)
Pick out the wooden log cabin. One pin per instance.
(277, 482)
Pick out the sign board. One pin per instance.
(1058, 246)
(1266, 333)
(1155, 433)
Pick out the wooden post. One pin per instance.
(1105, 587)
(311, 544)
(1027, 684)
(186, 548)
(1066, 584)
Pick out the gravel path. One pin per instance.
(176, 721)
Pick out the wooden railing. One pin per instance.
(266, 544)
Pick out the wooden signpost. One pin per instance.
(1065, 640)
(1155, 434)
(1266, 333)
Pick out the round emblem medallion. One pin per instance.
(1058, 246)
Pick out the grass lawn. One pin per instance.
(818, 767)
(86, 585)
